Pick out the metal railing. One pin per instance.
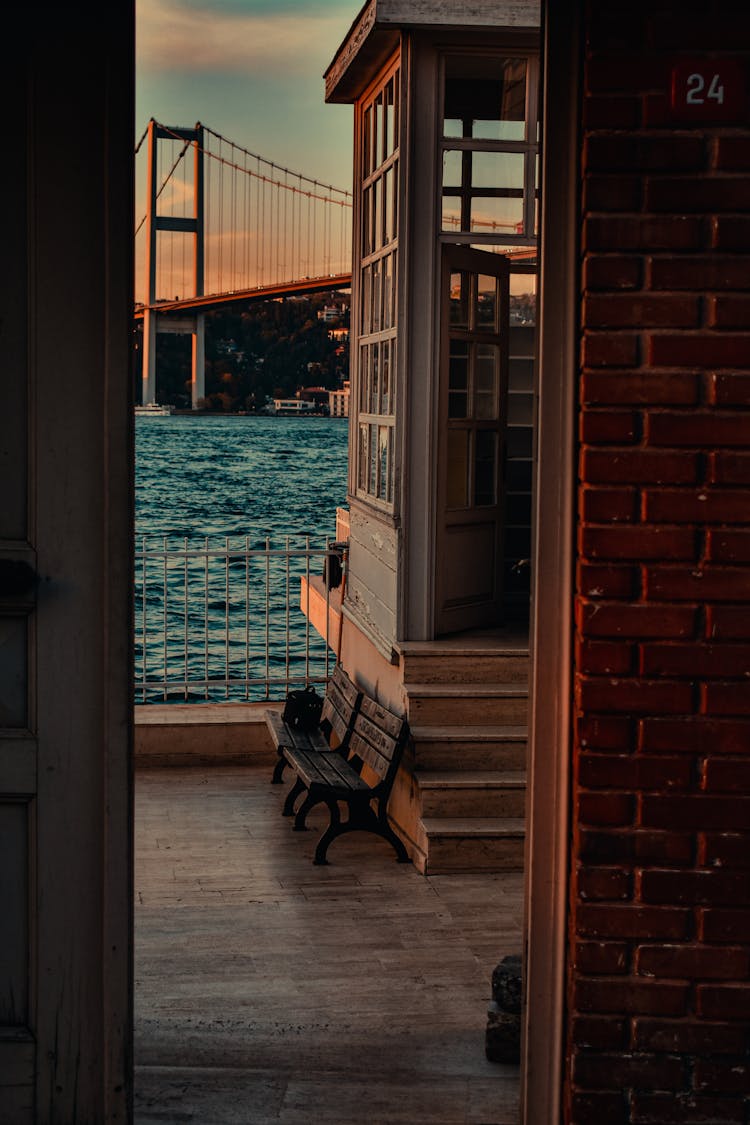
(221, 620)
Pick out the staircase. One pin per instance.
(460, 805)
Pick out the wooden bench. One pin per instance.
(377, 742)
(340, 706)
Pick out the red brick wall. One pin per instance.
(659, 977)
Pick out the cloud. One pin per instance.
(238, 37)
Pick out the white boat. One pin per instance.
(154, 408)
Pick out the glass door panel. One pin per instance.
(474, 364)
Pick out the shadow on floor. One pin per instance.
(270, 990)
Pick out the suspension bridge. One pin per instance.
(220, 226)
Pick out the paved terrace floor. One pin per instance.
(270, 990)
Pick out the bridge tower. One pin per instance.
(152, 322)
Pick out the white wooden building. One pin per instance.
(444, 281)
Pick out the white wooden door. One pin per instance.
(473, 380)
(65, 551)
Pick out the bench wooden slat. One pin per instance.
(340, 707)
(327, 770)
(283, 736)
(337, 710)
(381, 717)
(342, 685)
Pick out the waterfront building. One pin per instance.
(329, 314)
(338, 401)
(291, 406)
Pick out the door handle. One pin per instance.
(17, 578)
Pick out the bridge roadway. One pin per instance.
(245, 296)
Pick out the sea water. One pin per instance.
(239, 475)
(212, 608)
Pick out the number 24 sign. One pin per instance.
(710, 90)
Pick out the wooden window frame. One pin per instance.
(376, 331)
(528, 148)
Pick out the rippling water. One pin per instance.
(235, 475)
(213, 619)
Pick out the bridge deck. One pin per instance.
(249, 296)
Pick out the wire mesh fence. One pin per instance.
(221, 620)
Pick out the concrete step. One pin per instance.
(489, 747)
(471, 794)
(430, 664)
(466, 703)
(458, 845)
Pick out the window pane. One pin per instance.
(487, 304)
(364, 378)
(388, 313)
(376, 315)
(373, 458)
(383, 459)
(458, 379)
(377, 214)
(496, 216)
(374, 379)
(460, 299)
(485, 98)
(451, 219)
(388, 205)
(367, 222)
(390, 117)
(385, 377)
(484, 468)
(366, 143)
(362, 459)
(497, 170)
(458, 468)
(486, 381)
(522, 299)
(452, 165)
(524, 255)
(365, 303)
(458, 368)
(376, 132)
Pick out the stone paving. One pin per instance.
(271, 990)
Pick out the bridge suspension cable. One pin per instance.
(264, 224)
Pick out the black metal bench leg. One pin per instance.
(278, 769)
(384, 829)
(291, 797)
(335, 828)
(300, 819)
(360, 819)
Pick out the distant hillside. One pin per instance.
(270, 349)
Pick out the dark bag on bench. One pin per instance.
(302, 709)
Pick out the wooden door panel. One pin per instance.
(14, 916)
(473, 382)
(65, 667)
(470, 575)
